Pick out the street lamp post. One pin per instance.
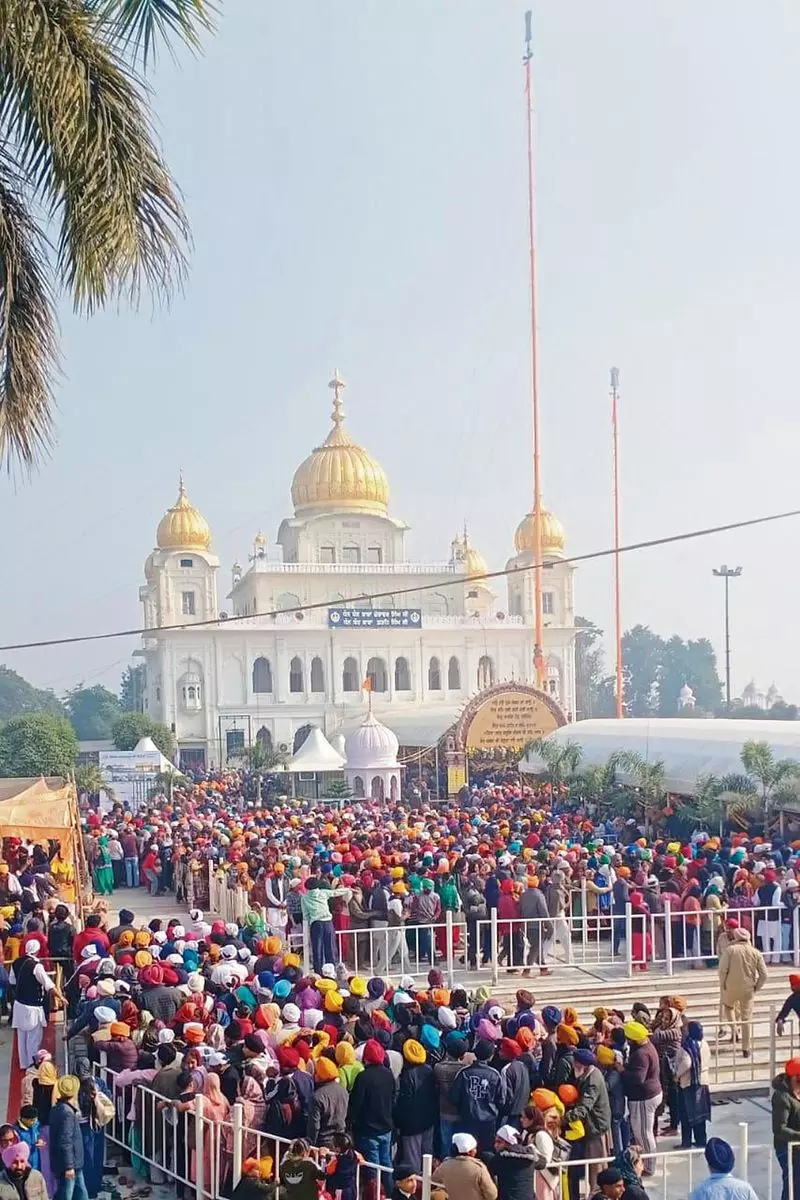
(727, 573)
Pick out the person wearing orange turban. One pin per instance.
(325, 1071)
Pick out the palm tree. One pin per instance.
(560, 762)
(599, 783)
(766, 781)
(78, 156)
(89, 781)
(715, 801)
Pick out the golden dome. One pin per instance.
(339, 474)
(182, 527)
(467, 558)
(552, 535)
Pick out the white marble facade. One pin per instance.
(275, 670)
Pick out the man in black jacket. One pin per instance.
(126, 919)
(66, 1143)
(478, 1093)
(371, 1104)
(60, 934)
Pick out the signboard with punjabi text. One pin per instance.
(507, 716)
(375, 618)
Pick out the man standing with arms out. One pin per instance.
(742, 973)
(31, 1004)
(66, 1143)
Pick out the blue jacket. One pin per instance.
(66, 1143)
(31, 1137)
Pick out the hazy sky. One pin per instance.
(355, 177)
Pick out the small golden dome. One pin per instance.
(467, 558)
(182, 527)
(339, 474)
(552, 535)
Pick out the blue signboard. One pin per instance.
(375, 618)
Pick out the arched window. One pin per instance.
(376, 674)
(350, 679)
(358, 787)
(262, 675)
(402, 675)
(351, 554)
(264, 737)
(300, 737)
(454, 675)
(374, 554)
(317, 675)
(439, 605)
(287, 601)
(296, 675)
(393, 789)
(485, 672)
(327, 554)
(376, 789)
(434, 675)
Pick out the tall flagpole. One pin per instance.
(617, 600)
(538, 657)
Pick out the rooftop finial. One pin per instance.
(337, 386)
(181, 488)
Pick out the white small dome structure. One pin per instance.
(372, 767)
(371, 745)
(686, 697)
(338, 743)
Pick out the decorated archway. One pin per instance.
(507, 716)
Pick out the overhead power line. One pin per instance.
(414, 589)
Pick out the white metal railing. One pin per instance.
(198, 1151)
(207, 1155)
(265, 565)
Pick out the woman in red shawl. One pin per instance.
(641, 940)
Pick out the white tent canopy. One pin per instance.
(146, 745)
(688, 747)
(316, 754)
(413, 725)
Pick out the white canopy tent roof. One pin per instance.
(316, 754)
(688, 747)
(146, 745)
(412, 725)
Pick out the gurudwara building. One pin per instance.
(427, 636)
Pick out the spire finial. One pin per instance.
(337, 386)
(181, 488)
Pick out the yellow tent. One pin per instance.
(38, 809)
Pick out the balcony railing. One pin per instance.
(270, 566)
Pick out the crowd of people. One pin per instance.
(345, 1065)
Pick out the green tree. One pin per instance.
(92, 711)
(78, 154)
(693, 663)
(589, 669)
(17, 696)
(598, 783)
(37, 744)
(129, 728)
(560, 762)
(339, 789)
(642, 652)
(766, 781)
(132, 688)
(89, 781)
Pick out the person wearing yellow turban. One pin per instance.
(333, 1002)
(566, 1035)
(325, 1071)
(414, 1053)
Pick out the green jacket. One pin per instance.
(785, 1112)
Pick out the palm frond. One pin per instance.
(141, 25)
(28, 329)
(741, 785)
(79, 121)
